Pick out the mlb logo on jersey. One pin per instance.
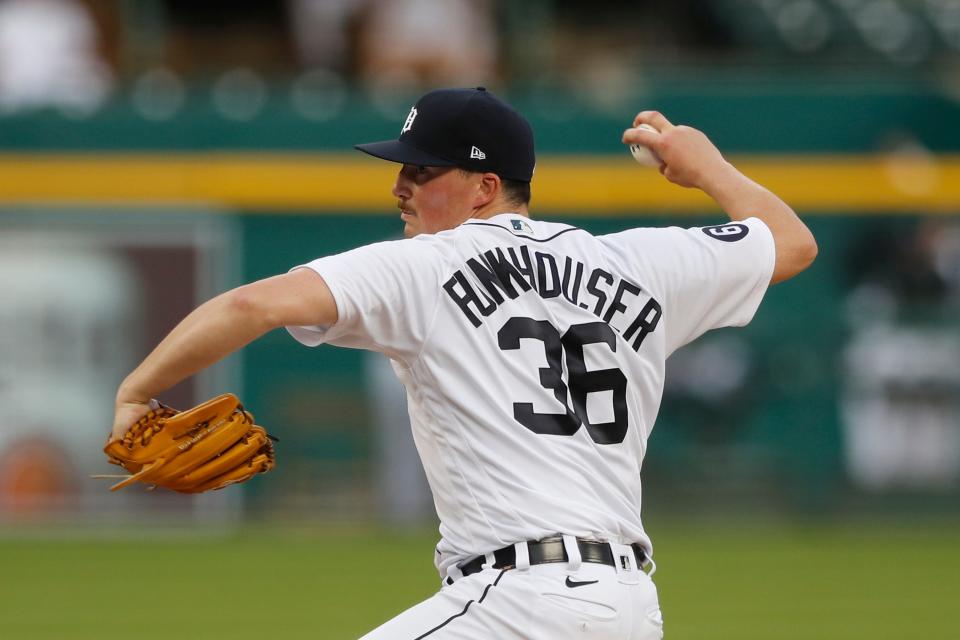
(521, 226)
(476, 153)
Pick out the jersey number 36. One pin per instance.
(581, 382)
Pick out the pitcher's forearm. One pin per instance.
(691, 160)
(742, 198)
(211, 332)
(229, 322)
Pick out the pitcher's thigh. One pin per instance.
(468, 609)
(532, 605)
(594, 603)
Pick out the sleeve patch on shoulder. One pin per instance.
(727, 232)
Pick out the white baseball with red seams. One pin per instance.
(645, 155)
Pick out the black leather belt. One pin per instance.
(552, 550)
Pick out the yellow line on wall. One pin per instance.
(583, 185)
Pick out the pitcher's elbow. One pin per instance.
(811, 250)
(249, 307)
(794, 258)
(808, 253)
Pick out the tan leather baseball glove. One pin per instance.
(208, 447)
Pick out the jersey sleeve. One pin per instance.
(386, 295)
(706, 277)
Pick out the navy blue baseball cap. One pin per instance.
(467, 128)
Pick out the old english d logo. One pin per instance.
(408, 123)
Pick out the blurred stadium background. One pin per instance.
(804, 476)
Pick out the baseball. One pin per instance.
(644, 155)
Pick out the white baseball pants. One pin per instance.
(542, 602)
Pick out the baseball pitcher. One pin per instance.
(532, 353)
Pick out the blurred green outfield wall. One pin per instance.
(773, 435)
(824, 111)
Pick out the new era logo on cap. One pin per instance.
(476, 153)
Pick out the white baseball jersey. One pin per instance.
(533, 357)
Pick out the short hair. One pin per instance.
(516, 192)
